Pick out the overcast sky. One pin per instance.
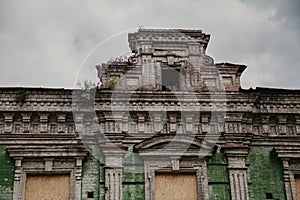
(48, 43)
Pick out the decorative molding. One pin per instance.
(236, 154)
(114, 154)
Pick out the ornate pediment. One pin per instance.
(178, 145)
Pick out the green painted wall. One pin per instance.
(90, 177)
(6, 174)
(218, 180)
(265, 174)
(93, 175)
(133, 177)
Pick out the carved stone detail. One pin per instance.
(236, 155)
(113, 170)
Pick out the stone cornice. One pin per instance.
(285, 101)
(46, 145)
(235, 150)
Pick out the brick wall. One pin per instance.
(133, 177)
(90, 178)
(265, 174)
(218, 180)
(6, 174)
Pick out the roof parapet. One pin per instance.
(231, 75)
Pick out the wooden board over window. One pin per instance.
(169, 186)
(48, 187)
(297, 180)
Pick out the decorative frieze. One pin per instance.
(61, 119)
(298, 125)
(8, 119)
(44, 122)
(204, 99)
(282, 125)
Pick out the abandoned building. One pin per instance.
(166, 124)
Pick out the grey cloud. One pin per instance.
(43, 43)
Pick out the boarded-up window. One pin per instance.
(48, 187)
(169, 186)
(297, 180)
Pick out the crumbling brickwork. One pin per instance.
(168, 111)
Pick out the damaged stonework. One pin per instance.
(167, 115)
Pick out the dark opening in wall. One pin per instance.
(269, 196)
(90, 195)
(170, 79)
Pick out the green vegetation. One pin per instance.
(6, 174)
(21, 96)
(218, 180)
(114, 80)
(265, 174)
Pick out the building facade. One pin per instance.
(168, 123)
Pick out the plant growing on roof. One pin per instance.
(114, 80)
(88, 87)
(21, 96)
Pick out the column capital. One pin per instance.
(235, 150)
(114, 149)
(236, 154)
(114, 154)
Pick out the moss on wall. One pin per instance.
(133, 177)
(133, 192)
(90, 177)
(6, 174)
(265, 174)
(218, 180)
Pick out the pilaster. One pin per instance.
(287, 175)
(113, 170)
(78, 175)
(236, 154)
(17, 182)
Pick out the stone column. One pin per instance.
(113, 170)
(78, 175)
(287, 179)
(17, 194)
(236, 154)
